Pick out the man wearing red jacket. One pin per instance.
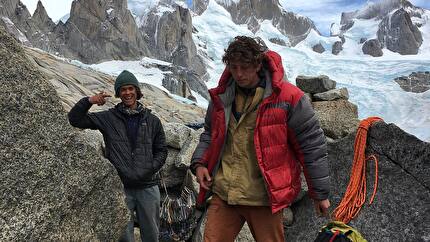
(260, 131)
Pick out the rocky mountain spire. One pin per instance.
(103, 30)
(199, 6)
(19, 15)
(170, 39)
(249, 12)
(32, 31)
(7, 8)
(41, 19)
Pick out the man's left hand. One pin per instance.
(321, 207)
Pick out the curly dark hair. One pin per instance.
(246, 50)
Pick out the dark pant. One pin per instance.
(144, 205)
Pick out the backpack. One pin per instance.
(337, 231)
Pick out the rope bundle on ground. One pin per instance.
(355, 195)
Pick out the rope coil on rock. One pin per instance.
(355, 195)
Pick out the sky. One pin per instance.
(322, 12)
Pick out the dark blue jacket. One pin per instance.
(136, 167)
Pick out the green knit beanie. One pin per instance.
(125, 78)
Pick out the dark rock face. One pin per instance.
(295, 27)
(41, 18)
(312, 85)
(95, 31)
(416, 82)
(396, 30)
(32, 31)
(180, 80)
(400, 209)
(337, 47)
(102, 30)
(19, 15)
(399, 34)
(199, 6)
(43, 36)
(7, 8)
(171, 40)
(14, 31)
(372, 47)
(278, 41)
(318, 48)
(54, 186)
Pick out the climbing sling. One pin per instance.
(177, 215)
(355, 195)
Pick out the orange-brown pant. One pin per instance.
(224, 222)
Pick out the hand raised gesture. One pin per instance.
(99, 99)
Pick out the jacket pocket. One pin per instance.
(279, 177)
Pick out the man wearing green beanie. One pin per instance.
(135, 145)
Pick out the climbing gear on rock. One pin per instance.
(177, 219)
(337, 231)
(355, 195)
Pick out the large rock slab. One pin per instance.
(54, 186)
(401, 206)
(337, 118)
(331, 95)
(319, 48)
(337, 47)
(181, 141)
(372, 47)
(399, 34)
(417, 82)
(176, 134)
(312, 84)
(73, 82)
(102, 30)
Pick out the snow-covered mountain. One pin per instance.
(204, 28)
(368, 79)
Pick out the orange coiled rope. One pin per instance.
(355, 194)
